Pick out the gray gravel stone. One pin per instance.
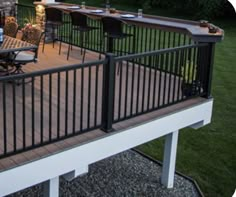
(125, 174)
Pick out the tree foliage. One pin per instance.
(198, 9)
(203, 8)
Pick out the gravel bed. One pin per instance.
(125, 174)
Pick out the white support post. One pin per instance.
(51, 187)
(168, 171)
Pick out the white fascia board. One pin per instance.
(81, 156)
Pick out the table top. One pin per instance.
(192, 28)
(13, 44)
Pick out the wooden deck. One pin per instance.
(49, 59)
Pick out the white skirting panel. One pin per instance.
(65, 162)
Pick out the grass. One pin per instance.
(207, 154)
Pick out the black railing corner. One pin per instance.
(209, 72)
(108, 93)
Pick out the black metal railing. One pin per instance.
(145, 38)
(25, 14)
(51, 105)
(135, 89)
(153, 69)
(46, 106)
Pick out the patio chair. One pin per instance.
(113, 30)
(54, 20)
(31, 35)
(4, 69)
(10, 29)
(10, 19)
(80, 24)
(6, 66)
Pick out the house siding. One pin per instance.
(8, 7)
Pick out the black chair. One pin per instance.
(80, 24)
(54, 20)
(31, 35)
(113, 30)
(10, 29)
(4, 64)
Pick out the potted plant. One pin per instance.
(190, 84)
(29, 22)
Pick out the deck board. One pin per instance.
(51, 59)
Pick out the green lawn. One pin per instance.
(208, 154)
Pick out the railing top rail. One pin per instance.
(52, 70)
(157, 52)
(25, 5)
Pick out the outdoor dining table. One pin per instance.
(11, 45)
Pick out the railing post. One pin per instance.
(108, 93)
(205, 67)
(209, 69)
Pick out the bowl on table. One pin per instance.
(204, 23)
(127, 16)
(112, 10)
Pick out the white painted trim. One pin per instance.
(58, 164)
(168, 170)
